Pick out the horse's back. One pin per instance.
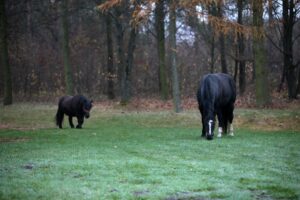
(64, 99)
(227, 85)
(218, 88)
(65, 103)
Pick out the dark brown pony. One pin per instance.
(216, 96)
(73, 106)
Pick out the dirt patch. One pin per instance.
(28, 166)
(141, 193)
(13, 127)
(268, 123)
(279, 101)
(13, 139)
(185, 196)
(4, 126)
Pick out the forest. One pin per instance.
(121, 49)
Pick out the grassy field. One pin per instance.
(122, 154)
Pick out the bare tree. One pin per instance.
(173, 54)
(241, 48)
(261, 73)
(66, 48)
(110, 58)
(4, 56)
(160, 31)
(289, 19)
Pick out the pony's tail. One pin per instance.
(59, 117)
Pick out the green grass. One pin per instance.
(144, 155)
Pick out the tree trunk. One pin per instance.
(288, 23)
(4, 57)
(212, 11)
(173, 52)
(222, 41)
(66, 48)
(110, 59)
(223, 55)
(160, 31)
(298, 85)
(261, 73)
(212, 53)
(126, 77)
(241, 47)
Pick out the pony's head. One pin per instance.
(87, 106)
(209, 127)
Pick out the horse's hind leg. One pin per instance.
(71, 122)
(230, 119)
(221, 123)
(80, 122)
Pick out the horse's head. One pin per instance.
(209, 128)
(87, 106)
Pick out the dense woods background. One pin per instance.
(120, 49)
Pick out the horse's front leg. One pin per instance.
(71, 121)
(202, 120)
(80, 122)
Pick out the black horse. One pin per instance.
(73, 106)
(216, 96)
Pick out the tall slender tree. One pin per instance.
(66, 48)
(122, 13)
(110, 59)
(173, 53)
(126, 77)
(160, 32)
(212, 10)
(4, 56)
(289, 14)
(241, 49)
(222, 39)
(261, 72)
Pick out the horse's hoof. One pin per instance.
(79, 127)
(231, 134)
(209, 137)
(219, 135)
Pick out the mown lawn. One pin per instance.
(121, 154)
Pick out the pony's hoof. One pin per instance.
(231, 134)
(79, 127)
(219, 135)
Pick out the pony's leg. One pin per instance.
(71, 122)
(80, 122)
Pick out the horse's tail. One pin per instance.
(59, 117)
